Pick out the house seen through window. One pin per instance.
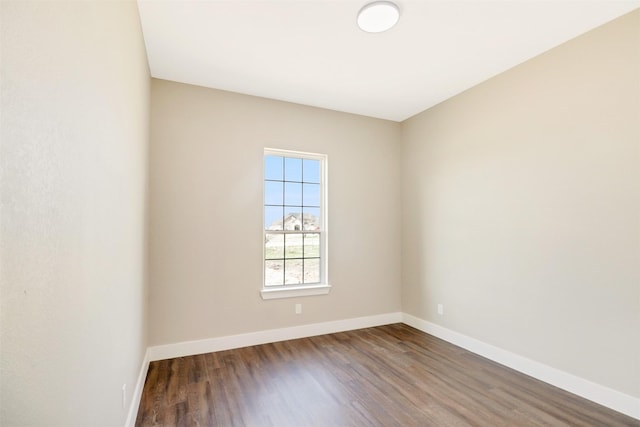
(294, 219)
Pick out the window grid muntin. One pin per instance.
(319, 231)
(285, 258)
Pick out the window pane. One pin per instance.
(292, 219)
(274, 167)
(273, 273)
(273, 217)
(292, 194)
(293, 272)
(311, 219)
(312, 270)
(311, 245)
(293, 246)
(292, 169)
(273, 194)
(311, 194)
(273, 246)
(311, 171)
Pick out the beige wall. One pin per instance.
(521, 206)
(205, 253)
(74, 132)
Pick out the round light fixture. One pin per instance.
(378, 16)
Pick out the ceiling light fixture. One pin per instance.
(378, 16)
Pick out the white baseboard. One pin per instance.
(137, 392)
(209, 345)
(602, 395)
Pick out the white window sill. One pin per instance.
(294, 291)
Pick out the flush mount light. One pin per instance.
(378, 16)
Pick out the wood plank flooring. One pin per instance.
(391, 375)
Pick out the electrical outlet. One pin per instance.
(298, 308)
(124, 396)
(440, 309)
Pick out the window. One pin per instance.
(295, 220)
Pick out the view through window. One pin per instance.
(293, 218)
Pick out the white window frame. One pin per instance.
(299, 290)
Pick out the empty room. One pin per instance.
(319, 213)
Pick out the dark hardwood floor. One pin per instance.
(385, 376)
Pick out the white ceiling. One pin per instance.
(312, 52)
